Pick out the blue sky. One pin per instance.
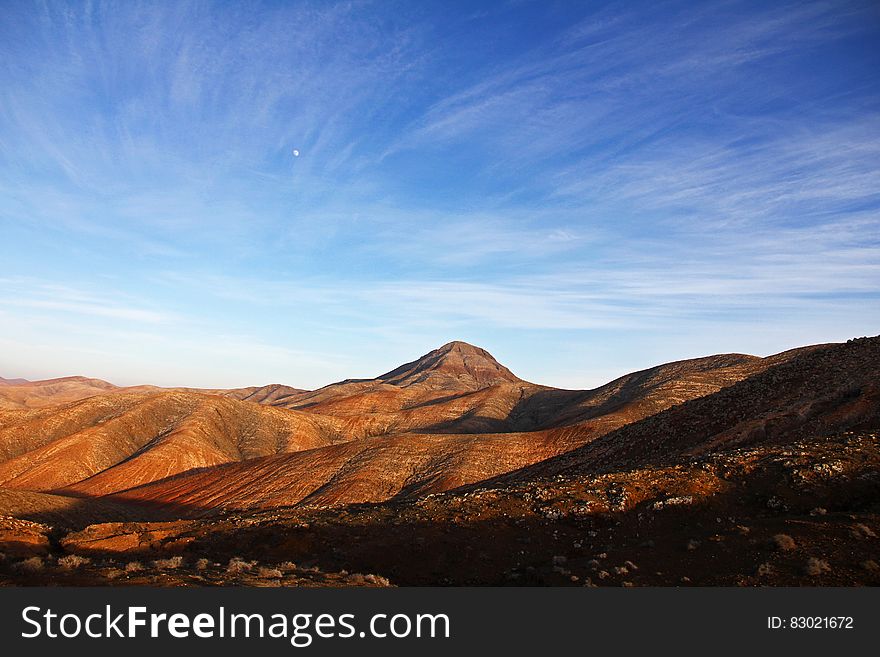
(584, 189)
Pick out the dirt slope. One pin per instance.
(115, 441)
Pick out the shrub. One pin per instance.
(784, 542)
(862, 531)
(134, 567)
(269, 573)
(32, 565)
(114, 573)
(815, 567)
(361, 579)
(237, 565)
(73, 561)
(168, 564)
(203, 564)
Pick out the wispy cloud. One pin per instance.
(656, 171)
(17, 294)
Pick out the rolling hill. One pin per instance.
(415, 463)
(452, 417)
(693, 468)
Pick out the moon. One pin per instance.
(295, 153)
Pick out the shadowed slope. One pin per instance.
(641, 394)
(818, 392)
(71, 512)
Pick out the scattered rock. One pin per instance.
(683, 500)
(815, 567)
(765, 569)
(776, 504)
(861, 531)
(783, 542)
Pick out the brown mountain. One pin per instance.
(12, 382)
(274, 394)
(693, 469)
(453, 366)
(452, 417)
(17, 393)
(405, 464)
(23, 394)
(457, 383)
(462, 389)
(108, 442)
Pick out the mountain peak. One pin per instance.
(461, 347)
(450, 366)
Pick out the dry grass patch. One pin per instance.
(32, 565)
(168, 564)
(73, 561)
(237, 566)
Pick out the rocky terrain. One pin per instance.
(729, 469)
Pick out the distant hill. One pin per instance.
(12, 382)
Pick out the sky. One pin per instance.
(583, 189)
